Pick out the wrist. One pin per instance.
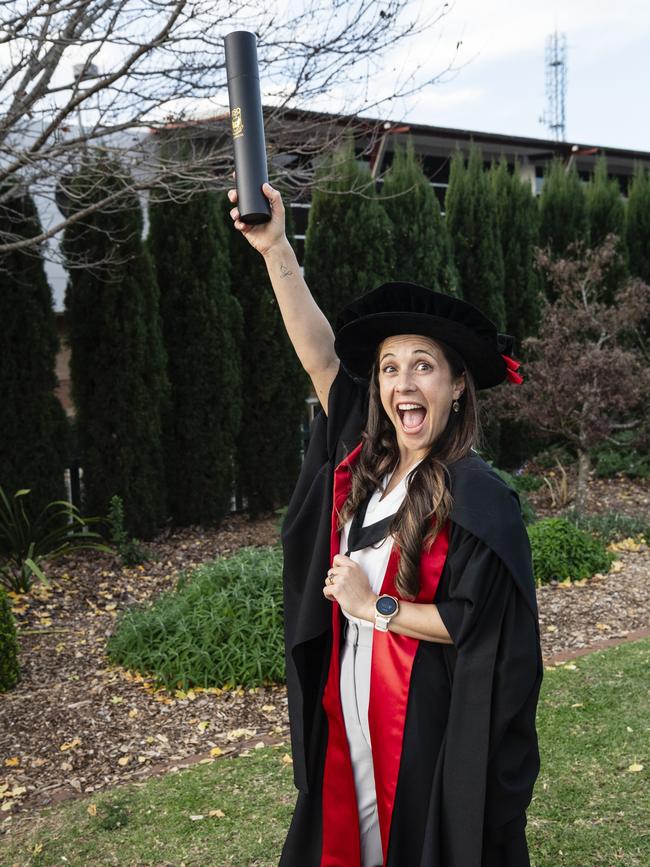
(279, 249)
(370, 611)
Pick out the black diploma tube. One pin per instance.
(247, 126)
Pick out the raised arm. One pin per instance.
(308, 329)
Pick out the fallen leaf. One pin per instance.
(124, 760)
(219, 814)
(71, 745)
(635, 768)
(92, 809)
(216, 751)
(286, 758)
(13, 762)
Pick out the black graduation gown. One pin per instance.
(468, 757)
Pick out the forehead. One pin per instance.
(407, 344)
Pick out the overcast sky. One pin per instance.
(501, 85)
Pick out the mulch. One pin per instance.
(75, 724)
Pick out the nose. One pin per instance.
(404, 382)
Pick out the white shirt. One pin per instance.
(374, 560)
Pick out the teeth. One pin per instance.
(409, 406)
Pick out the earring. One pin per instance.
(456, 406)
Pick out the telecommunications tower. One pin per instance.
(554, 116)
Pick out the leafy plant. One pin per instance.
(25, 542)
(560, 550)
(130, 549)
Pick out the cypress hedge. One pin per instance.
(605, 215)
(517, 217)
(117, 363)
(269, 445)
(637, 224)
(34, 449)
(422, 247)
(202, 332)
(562, 212)
(471, 210)
(348, 245)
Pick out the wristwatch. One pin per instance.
(386, 607)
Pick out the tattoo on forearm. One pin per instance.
(285, 272)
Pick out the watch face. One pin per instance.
(385, 605)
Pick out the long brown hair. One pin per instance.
(428, 502)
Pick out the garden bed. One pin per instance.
(75, 724)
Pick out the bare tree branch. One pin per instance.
(127, 76)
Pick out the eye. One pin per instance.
(387, 368)
(424, 364)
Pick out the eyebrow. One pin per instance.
(426, 351)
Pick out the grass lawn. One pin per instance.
(589, 808)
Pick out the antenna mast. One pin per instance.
(554, 116)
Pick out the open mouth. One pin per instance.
(412, 416)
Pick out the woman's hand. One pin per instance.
(348, 584)
(265, 235)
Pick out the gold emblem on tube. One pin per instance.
(237, 123)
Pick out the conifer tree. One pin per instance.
(471, 215)
(563, 208)
(117, 363)
(517, 221)
(348, 244)
(562, 212)
(421, 243)
(269, 446)
(605, 215)
(516, 212)
(470, 207)
(32, 420)
(202, 333)
(637, 224)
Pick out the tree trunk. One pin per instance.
(584, 468)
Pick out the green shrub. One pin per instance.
(561, 550)
(9, 671)
(623, 461)
(527, 511)
(220, 626)
(610, 526)
(130, 550)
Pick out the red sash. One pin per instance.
(392, 662)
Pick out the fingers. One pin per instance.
(232, 195)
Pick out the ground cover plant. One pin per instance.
(220, 626)
(611, 526)
(587, 810)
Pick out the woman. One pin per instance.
(412, 697)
